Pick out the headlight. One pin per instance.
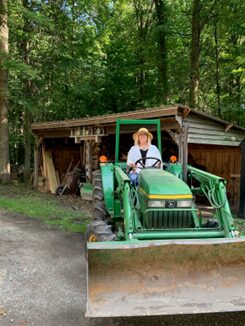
(169, 203)
(184, 203)
(156, 203)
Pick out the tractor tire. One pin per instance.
(99, 231)
(99, 208)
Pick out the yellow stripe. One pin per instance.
(166, 196)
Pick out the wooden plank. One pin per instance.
(42, 172)
(57, 177)
(44, 162)
(223, 137)
(44, 167)
(212, 142)
(233, 175)
(228, 127)
(214, 131)
(96, 138)
(52, 181)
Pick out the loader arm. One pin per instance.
(213, 187)
(123, 192)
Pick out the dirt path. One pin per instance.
(42, 280)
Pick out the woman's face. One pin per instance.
(142, 138)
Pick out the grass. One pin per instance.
(69, 213)
(50, 209)
(240, 225)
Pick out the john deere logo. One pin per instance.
(171, 204)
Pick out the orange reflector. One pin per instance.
(103, 159)
(173, 159)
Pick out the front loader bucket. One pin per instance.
(165, 277)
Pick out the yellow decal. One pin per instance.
(187, 196)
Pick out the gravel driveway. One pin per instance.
(42, 280)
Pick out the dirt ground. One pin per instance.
(43, 281)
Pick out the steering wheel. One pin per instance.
(140, 161)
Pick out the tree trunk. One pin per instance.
(4, 138)
(143, 19)
(162, 60)
(28, 93)
(195, 52)
(27, 141)
(217, 74)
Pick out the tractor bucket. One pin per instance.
(165, 277)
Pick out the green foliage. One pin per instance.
(240, 226)
(70, 59)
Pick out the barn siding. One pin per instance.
(205, 131)
(224, 161)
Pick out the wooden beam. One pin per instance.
(37, 154)
(186, 112)
(62, 133)
(228, 127)
(185, 152)
(88, 160)
(173, 135)
(96, 138)
(105, 119)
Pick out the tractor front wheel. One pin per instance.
(99, 208)
(99, 231)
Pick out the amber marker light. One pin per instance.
(103, 159)
(173, 159)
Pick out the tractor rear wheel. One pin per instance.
(99, 208)
(99, 231)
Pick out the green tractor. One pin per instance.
(151, 250)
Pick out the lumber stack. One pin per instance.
(48, 172)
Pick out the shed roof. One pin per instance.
(150, 113)
(203, 128)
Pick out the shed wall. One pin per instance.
(206, 131)
(63, 151)
(224, 161)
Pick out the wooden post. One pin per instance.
(185, 152)
(35, 167)
(37, 153)
(88, 160)
(180, 146)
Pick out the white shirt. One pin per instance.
(134, 154)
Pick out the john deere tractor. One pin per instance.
(152, 251)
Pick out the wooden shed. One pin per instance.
(197, 138)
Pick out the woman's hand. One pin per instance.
(132, 166)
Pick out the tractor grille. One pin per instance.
(168, 219)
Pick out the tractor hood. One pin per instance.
(157, 184)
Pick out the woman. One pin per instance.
(141, 150)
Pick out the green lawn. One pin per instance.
(66, 212)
